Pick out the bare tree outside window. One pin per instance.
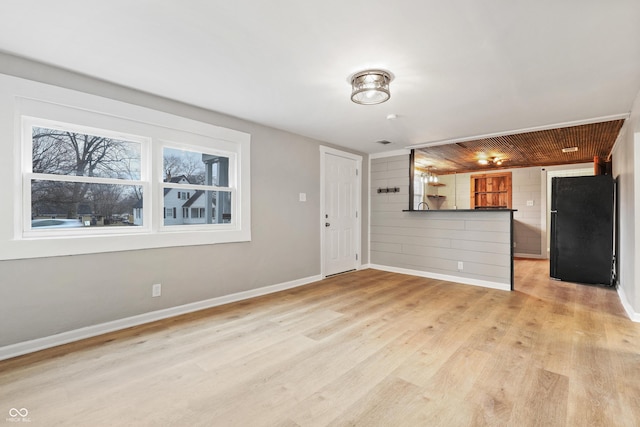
(66, 153)
(183, 163)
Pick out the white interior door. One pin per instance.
(341, 203)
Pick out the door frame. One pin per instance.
(357, 236)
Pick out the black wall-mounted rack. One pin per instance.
(389, 190)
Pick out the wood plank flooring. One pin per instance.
(367, 348)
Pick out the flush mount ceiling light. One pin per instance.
(370, 87)
(495, 160)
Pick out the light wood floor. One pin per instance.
(367, 348)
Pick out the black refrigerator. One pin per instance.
(582, 229)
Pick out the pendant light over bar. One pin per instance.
(370, 87)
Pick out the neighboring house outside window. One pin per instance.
(173, 199)
(208, 174)
(197, 203)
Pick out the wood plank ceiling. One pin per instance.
(539, 148)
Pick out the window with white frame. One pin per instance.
(80, 177)
(84, 177)
(209, 177)
(90, 175)
(92, 178)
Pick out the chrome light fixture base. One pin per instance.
(370, 87)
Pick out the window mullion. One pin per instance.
(84, 179)
(195, 187)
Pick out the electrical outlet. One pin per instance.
(156, 290)
(302, 197)
(460, 266)
(529, 202)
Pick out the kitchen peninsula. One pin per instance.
(468, 246)
(478, 241)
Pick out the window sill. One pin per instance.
(79, 245)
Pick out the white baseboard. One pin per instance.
(448, 278)
(31, 346)
(633, 315)
(532, 256)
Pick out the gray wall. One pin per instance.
(434, 242)
(626, 159)
(46, 296)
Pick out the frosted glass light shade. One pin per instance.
(370, 87)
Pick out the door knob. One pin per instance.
(326, 224)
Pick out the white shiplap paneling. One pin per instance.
(433, 243)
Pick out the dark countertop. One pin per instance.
(460, 210)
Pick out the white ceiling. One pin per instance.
(462, 67)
